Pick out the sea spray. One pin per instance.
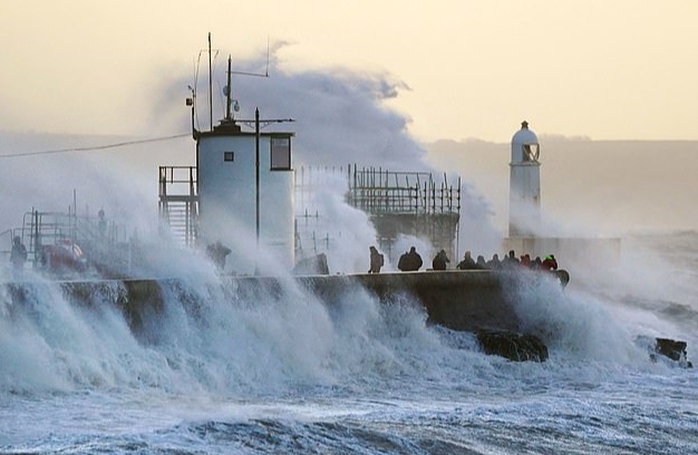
(50, 343)
(381, 378)
(570, 321)
(205, 338)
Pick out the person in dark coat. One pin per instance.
(440, 260)
(468, 262)
(377, 260)
(494, 263)
(18, 255)
(510, 260)
(410, 261)
(101, 224)
(218, 253)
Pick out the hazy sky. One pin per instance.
(621, 69)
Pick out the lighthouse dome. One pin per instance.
(524, 145)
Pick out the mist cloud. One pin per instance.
(340, 115)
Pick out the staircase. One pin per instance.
(179, 203)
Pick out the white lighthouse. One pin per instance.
(524, 184)
(527, 235)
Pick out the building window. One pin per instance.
(228, 156)
(280, 153)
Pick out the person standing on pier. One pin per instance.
(440, 261)
(549, 263)
(468, 262)
(18, 256)
(377, 260)
(410, 261)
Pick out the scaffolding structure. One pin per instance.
(407, 203)
(312, 236)
(397, 203)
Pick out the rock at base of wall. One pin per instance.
(665, 348)
(673, 349)
(513, 346)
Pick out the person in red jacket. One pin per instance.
(549, 263)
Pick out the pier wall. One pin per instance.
(462, 300)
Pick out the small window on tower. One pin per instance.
(280, 153)
(228, 156)
(531, 152)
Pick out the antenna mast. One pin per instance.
(228, 92)
(231, 104)
(267, 72)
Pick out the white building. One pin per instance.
(251, 213)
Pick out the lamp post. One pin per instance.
(256, 167)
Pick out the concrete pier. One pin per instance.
(461, 300)
(470, 300)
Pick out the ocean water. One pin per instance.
(215, 374)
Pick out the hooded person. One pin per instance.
(18, 255)
(410, 261)
(376, 261)
(468, 262)
(440, 261)
(549, 263)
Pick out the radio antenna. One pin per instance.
(267, 72)
(230, 102)
(228, 91)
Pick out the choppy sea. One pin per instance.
(292, 376)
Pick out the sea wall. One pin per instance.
(462, 300)
(479, 301)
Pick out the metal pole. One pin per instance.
(74, 233)
(210, 84)
(230, 90)
(256, 163)
(37, 241)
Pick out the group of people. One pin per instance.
(410, 261)
(509, 261)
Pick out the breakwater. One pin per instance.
(480, 301)
(461, 300)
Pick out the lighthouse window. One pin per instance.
(228, 156)
(531, 152)
(280, 154)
